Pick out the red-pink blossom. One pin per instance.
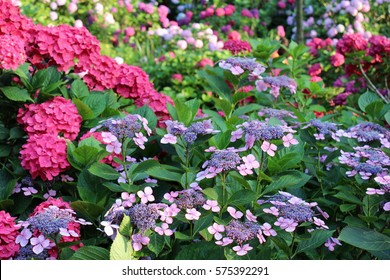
(351, 43)
(204, 62)
(379, 47)
(337, 59)
(237, 46)
(44, 156)
(8, 234)
(234, 35)
(56, 116)
(12, 52)
(315, 70)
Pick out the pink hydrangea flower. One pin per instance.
(109, 228)
(164, 230)
(139, 240)
(267, 230)
(273, 211)
(250, 162)
(249, 216)
(12, 52)
(224, 242)
(171, 196)
(289, 140)
(212, 205)
(192, 214)
(243, 170)
(40, 243)
(8, 234)
(234, 213)
(140, 140)
(128, 199)
(242, 250)
(216, 230)
(169, 139)
(24, 237)
(146, 195)
(269, 148)
(320, 223)
(261, 237)
(288, 225)
(44, 156)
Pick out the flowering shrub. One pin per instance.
(252, 154)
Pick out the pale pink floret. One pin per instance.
(139, 240)
(269, 148)
(320, 223)
(192, 214)
(224, 242)
(250, 162)
(146, 195)
(273, 211)
(169, 139)
(216, 230)
(140, 140)
(289, 140)
(267, 230)
(164, 230)
(250, 217)
(40, 243)
(212, 205)
(234, 213)
(242, 250)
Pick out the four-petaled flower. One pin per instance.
(40, 243)
(288, 225)
(224, 242)
(146, 195)
(273, 211)
(289, 140)
(320, 223)
(128, 199)
(269, 148)
(267, 230)
(250, 217)
(140, 140)
(169, 139)
(139, 240)
(216, 230)
(70, 232)
(164, 230)
(171, 196)
(242, 250)
(192, 214)
(250, 162)
(23, 237)
(234, 213)
(211, 204)
(109, 228)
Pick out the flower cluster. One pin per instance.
(291, 211)
(324, 129)
(143, 215)
(279, 114)
(50, 220)
(263, 131)
(238, 65)
(44, 156)
(240, 232)
(351, 43)
(8, 235)
(58, 116)
(275, 83)
(189, 134)
(237, 47)
(365, 161)
(128, 127)
(368, 132)
(12, 52)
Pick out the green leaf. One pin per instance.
(318, 238)
(366, 99)
(7, 184)
(79, 89)
(183, 113)
(104, 171)
(221, 140)
(366, 239)
(200, 251)
(182, 236)
(349, 197)
(216, 83)
(286, 158)
(242, 197)
(246, 109)
(97, 102)
(374, 109)
(89, 210)
(91, 253)
(145, 166)
(347, 207)
(241, 96)
(125, 228)
(211, 193)
(387, 117)
(223, 105)
(156, 243)
(45, 77)
(85, 112)
(16, 94)
(91, 188)
(295, 179)
(202, 223)
(162, 174)
(121, 248)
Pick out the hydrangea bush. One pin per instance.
(97, 164)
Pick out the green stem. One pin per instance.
(292, 246)
(223, 180)
(187, 164)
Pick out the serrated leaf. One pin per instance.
(97, 102)
(365, 239)
(295, 179)
(125, 227)
(366, 99)
(161, 174)
(202, 223)
(318, 238)
(91, 253)
(85, 112)
(156, 243)
(16, 94)
(211, 193)
(79, 89)
(88, 209)
(103, 171)
(121, 248)
(242, 197)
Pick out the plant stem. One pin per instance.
(373, 87)
(223, 180)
